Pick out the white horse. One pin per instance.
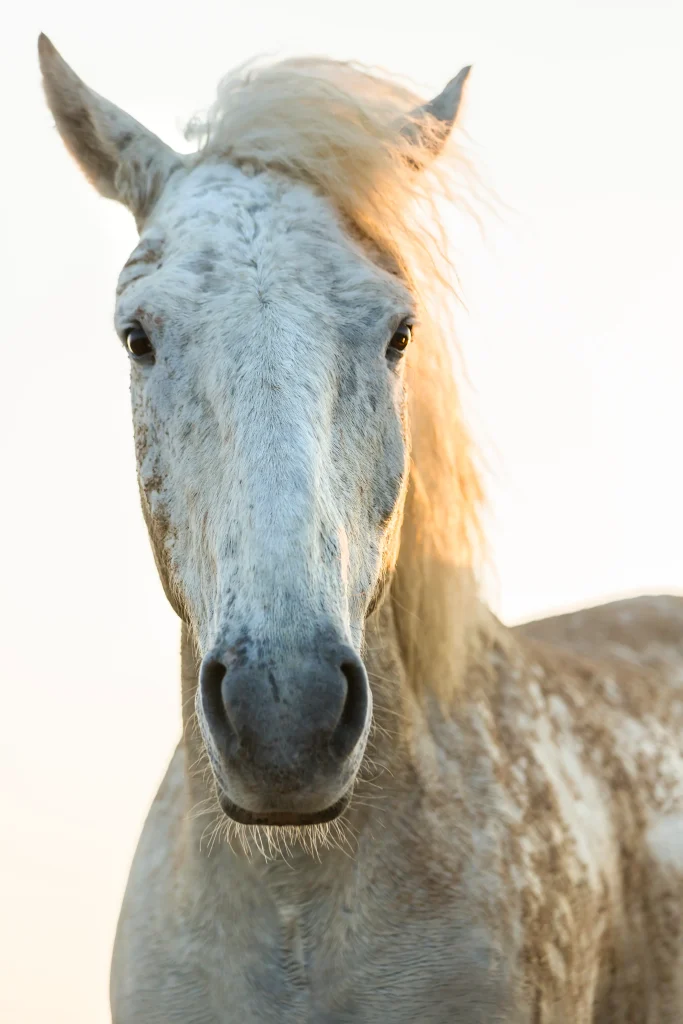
(427, 817)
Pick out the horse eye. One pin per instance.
(137, 342)
(401, 338)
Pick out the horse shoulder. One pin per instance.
(596, 766)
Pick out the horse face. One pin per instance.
(268, 404)
(268, 400)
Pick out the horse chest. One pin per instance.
(428, 972)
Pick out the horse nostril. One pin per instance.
(325, 709)
(211, 677)
(351, 724)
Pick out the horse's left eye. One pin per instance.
(401, 338)
(137, 342)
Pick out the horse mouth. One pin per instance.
(279, 819)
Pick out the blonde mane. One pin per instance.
(350, 134)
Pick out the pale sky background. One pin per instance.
(573, 340)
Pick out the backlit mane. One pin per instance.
(337, 127)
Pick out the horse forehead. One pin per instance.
(270, 258)
(235, 215)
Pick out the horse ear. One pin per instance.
(121, 158)
(430, 125)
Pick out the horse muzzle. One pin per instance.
(285, 735)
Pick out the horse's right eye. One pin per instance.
(402, 337)
(137, 342)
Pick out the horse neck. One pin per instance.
(189, 677)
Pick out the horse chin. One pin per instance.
(280, 819)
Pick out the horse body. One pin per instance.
(385, 805)
(524, 861)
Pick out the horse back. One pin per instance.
(645, 631)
